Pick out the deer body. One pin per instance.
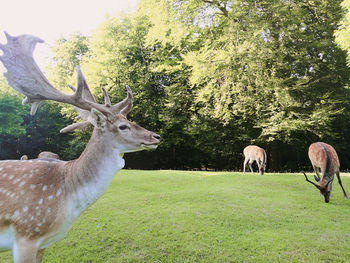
(48, 196)
(41, 198)
(31, 196)
(324, 157)
(254, 153)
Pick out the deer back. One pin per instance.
(50, 155)
(325, 157)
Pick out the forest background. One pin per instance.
(209, 76)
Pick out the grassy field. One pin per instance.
(180, 216)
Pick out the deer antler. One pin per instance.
(307, 179)
(83, 114)
(24, 75)
(125, 105)
(21, 67)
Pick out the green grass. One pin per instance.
(178, 216)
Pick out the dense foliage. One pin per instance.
(214, 76)
(23, 134)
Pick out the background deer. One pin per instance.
(41, 198)
(254, 153)
(324, 157)
(46, 154)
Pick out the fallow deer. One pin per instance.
(254, 153)
(44, 155)
(41, 198)
(324, 157)
(24, 157)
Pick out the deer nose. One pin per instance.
(156, 136)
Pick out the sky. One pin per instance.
(51, 19)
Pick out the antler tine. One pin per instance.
(107, 99)
(125, 105)
(72, 88)
(86, 92)
(84, 96)
(81, 125)
(307, 179)
(83, 114)
(8, 36)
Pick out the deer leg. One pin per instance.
(259, 167)
(245, 164)
(25, 251)
(250, 166)
(341, 185)
(317, 172)
(317, 176)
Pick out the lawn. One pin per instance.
(182, 216)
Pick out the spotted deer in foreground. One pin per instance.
(41, 198)
(324, 157)
(254, 153)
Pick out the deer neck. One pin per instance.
(92, 173)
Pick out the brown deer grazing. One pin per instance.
(324, 157)
(44, 155)
(41, 198)
(254, 153)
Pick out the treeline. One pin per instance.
(212, 77)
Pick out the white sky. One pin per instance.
(51, 19)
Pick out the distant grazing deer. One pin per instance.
(254, 153)
(324, 157)
(41, 198)
(24, 157)
(51, 155)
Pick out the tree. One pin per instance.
(343, 33)
(213, 76)
(11, 119)
(67, 54)
(21, 133)
(270, 69)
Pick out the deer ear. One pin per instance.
(97, 119)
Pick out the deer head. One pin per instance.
(262, 167)
(324, 186)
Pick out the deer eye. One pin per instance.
(123, 127)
